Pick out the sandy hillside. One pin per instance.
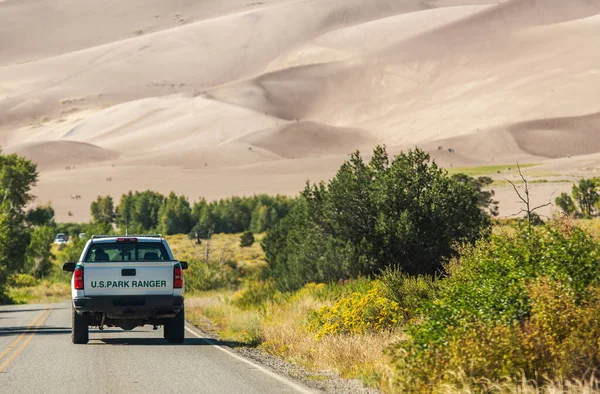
(213, 98)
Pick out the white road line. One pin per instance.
(272, 374)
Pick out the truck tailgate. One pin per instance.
(128, 278)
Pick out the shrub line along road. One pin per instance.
(37, 356)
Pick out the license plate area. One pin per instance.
(129, 301)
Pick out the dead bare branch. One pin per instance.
(525, 200)
(518, 213)
(516, 190)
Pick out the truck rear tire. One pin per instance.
(166, 330)
(79, 328)
(174, 330)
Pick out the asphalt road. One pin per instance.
(37, 356)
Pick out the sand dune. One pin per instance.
(529, 141)
(492, 29)
(236, 97)
(49, 26)
(308, 139)
(50, 155)
(559, 137)
(448, 82)
(190, 58)
(356, 40)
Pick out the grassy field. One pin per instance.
(55, 287)
(489, 170)
(220, 248)
(42, 292)
(504, 182)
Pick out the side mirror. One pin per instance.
(69, 267)
(184, 265)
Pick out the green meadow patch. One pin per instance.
(489, 170)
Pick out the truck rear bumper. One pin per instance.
(124, 307)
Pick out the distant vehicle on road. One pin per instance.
(61, 238)
(127, 282)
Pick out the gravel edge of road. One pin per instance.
(325, 381)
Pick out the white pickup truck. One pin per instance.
(127, 281)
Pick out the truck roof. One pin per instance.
(125, 238)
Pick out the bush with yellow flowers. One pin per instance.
(356, 314)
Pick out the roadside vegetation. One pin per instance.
(25, 234)
(474, 310)
(394, 272)
(516, 311)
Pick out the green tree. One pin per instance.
(124, 214)
(175, 215)
(485, 196)
(247, 239)
(239, 214)
(260, 218)
(146, 208)
(103, 210)
(566, 204)
(139, 211)
(295, 253)
(17, 176)
(38, 255)
(42, 215)
(586, 195)
(4, 252)
(405, 212)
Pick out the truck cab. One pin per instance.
(127, 281)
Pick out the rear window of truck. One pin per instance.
(142, 251)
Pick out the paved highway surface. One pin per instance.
(37, 356)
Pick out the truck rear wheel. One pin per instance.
(174, 330)
(166, 330)
(79, 328)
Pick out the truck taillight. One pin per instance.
(78, 278)
(177, 277)
(127, 240)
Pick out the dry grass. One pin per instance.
(279, 328)
(351, 356)
(213, 312)
(221, 247)
(592, 226)
(506, 226)
(44, 292)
